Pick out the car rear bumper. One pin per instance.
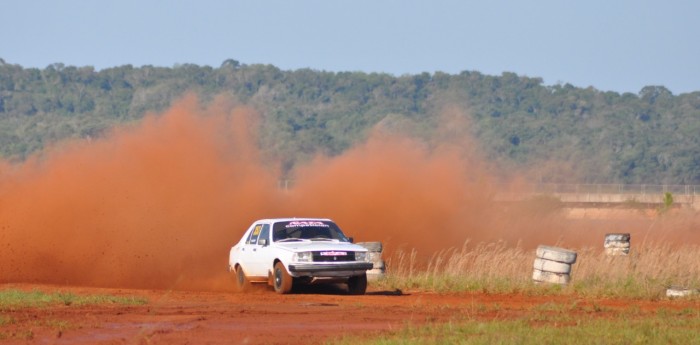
(330, 269)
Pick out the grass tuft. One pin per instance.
(17, 299)
(498, 268)
(543, 327)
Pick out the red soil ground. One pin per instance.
(314, 315)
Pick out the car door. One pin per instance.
(248, 251)
(260, 252)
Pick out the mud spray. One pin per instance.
(158, 204)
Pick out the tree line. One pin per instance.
(593, 136)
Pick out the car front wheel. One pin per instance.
(357, 285)
(283, 281)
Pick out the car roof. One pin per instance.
(274, 220)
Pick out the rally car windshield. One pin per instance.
(307, 230)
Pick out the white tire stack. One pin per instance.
(617, 244)
(679, 291)
(553, 265)
(375, 256)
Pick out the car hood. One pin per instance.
(312, 246)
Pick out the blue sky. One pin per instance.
(616, 45)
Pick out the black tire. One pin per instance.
(241, 281)
(357, 285)
(282, 280)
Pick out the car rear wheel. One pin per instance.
(242, 283)
(357, 285)
(283, 281)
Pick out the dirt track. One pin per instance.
(263, 317)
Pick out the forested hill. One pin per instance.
(650, 137)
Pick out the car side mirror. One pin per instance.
(352, 240)
(262, 242)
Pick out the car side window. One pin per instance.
(265, 233)
(253, 238)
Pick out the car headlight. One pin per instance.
(360, 256)
(303, 257)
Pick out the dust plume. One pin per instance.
(402, 191)
(158, 204)
(155, 205)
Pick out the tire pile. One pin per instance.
(553, 265)
(375, 256)
(617, 244)
(680, 291)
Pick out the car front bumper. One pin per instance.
(330, 269)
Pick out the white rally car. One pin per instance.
(287, 251)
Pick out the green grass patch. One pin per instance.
(26, 334)
(630, 286)
(6, 320)
(549, 326)
(14, 299)
(56, 324)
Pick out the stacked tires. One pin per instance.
(679, 291)
(553, 265)
(617, 244)
(375, 256)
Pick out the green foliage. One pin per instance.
(544, 326)
(668, 199)
(6, 320)
(668, 202)
(601, 136)
(17, 299)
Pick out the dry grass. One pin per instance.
(646, 272)
(497, 267)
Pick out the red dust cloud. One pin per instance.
(158, 204)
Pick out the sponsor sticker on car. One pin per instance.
(306, 223)
(334, 253)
